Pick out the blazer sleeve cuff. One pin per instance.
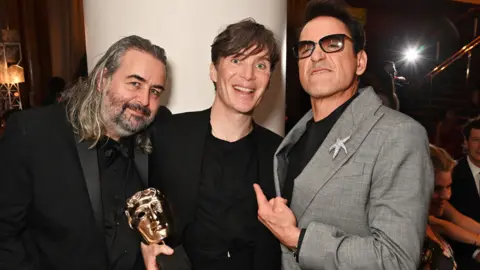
(300, 241)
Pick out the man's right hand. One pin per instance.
(150, 253)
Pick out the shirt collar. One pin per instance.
(473, 167)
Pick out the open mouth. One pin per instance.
(244, 89)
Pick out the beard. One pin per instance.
(122, 122)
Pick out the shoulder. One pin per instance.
(267, 136)
(174, 125)
(186, 119)
(43, 118)
(462, 165)
(395, 121)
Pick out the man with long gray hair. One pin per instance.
(69, 168)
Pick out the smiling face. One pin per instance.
(473, 146)
(326, 74)
(441, 193)
(132, 96)
(241, 80)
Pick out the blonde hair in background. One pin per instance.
(441, 159)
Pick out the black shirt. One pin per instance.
(303, 151)
(119, 181)
(222, 236)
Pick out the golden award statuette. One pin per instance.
(148, 213)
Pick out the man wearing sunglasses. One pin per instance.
(355, 176)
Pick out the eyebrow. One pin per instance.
(140, 78)
(243, 56)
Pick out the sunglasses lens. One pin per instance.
(333, 43)
(303, 49)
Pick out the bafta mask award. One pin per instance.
(148, 213)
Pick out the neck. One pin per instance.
(474, 161)
(324, 106)
(112, 136)
(229, 125)
(111, 133)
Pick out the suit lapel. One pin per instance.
(355, 124)
(89, 162)
(194, 148)
(141, 163)
(280, 162)
(469, 182)
(264, 154)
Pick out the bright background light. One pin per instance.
(412, 55)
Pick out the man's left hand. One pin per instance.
(278, 218)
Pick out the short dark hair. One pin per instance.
(244, 35)
(331, 8)
(472, 123)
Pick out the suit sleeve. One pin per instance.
(401, 187)
(15, 195)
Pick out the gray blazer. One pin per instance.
(367, 208)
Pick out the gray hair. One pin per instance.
(83, 100)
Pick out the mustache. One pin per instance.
(137, 107)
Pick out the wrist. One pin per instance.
(294, 235)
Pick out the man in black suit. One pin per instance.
(206, 162)
(68, 169)
(465, 192)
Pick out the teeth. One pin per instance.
(243, 89)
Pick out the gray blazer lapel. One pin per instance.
(89, 162)
(141, 163)
(280, 163)
(356, 122)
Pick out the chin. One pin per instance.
(321, 93)
(244, 109)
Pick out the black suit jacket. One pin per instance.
(466, 199)
(175, 170)
(50, 205)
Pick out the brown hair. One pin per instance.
(473, 123)
(244, 35)
(441, 160)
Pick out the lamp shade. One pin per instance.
(15, 74)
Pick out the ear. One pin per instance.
(362, 60)
(101, 80)
(213, 72)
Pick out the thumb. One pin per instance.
(150, 253)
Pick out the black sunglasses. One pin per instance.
(329, 44)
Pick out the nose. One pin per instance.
(247, 72)
(317, 54)
(143, 97)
